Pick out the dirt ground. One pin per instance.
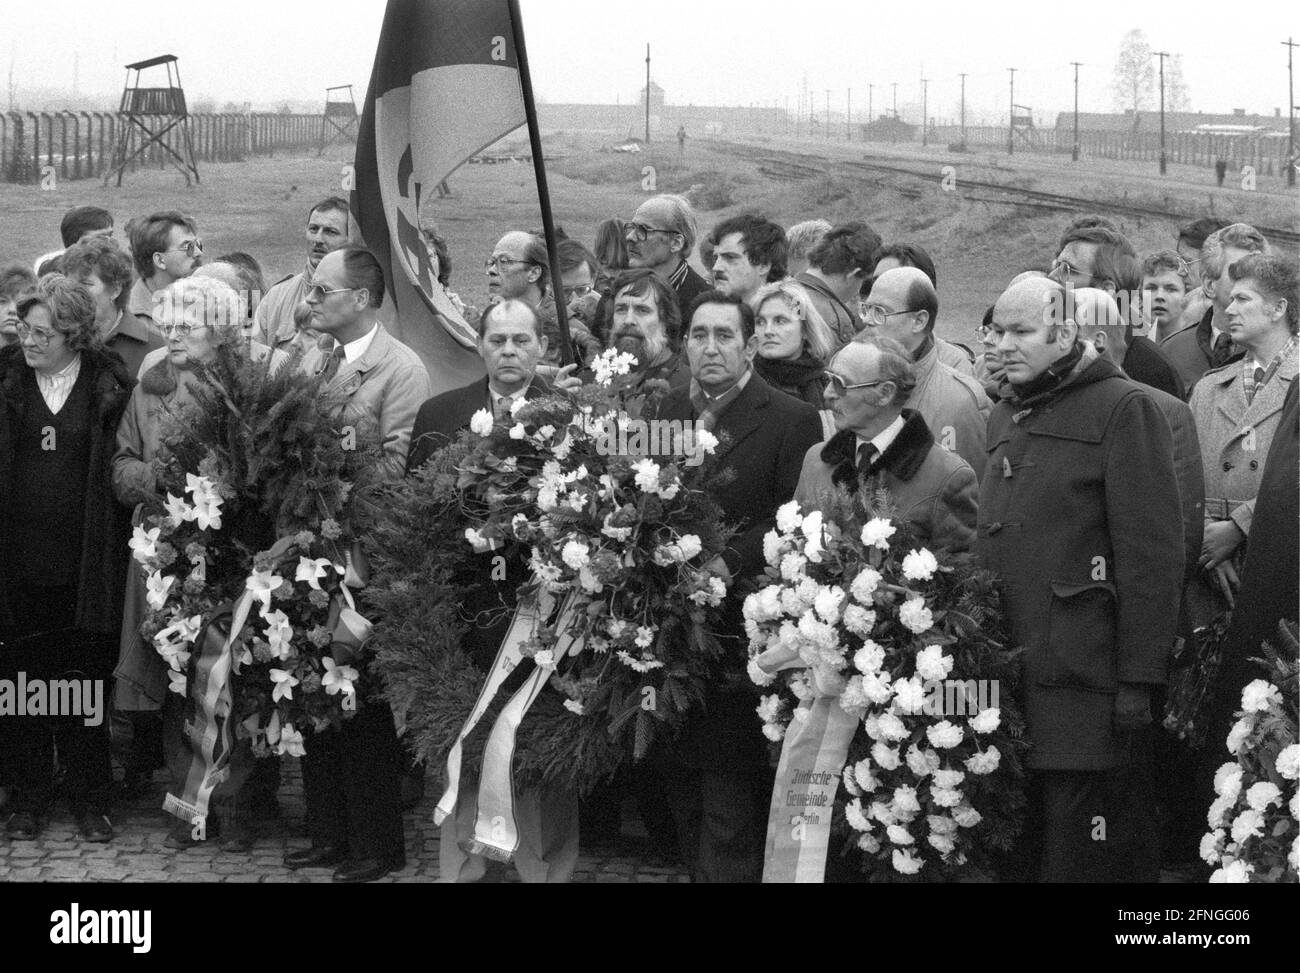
(261, 206)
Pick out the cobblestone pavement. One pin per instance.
(137, 854)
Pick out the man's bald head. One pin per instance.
(1033, 326)
(1031, 300)
(910, 303)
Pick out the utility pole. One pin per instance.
(1163, 163)
(963, 110)
(1074, 153)
(870, 103)
(895, 84)
(1291, 116)
(848, 117)
(827, 127)
(647, 94)
(1011, 116)
(925, 110)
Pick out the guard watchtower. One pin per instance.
(340, 122)
(1022, 126)
(148, 115)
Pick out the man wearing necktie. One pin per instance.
(716, 774)
(880, 444)
(1209, 344)
(375, 384)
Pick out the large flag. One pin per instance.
(446, 84)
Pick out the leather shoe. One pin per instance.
(23, 826)
(367, 869)
(314, 857)
(94, 827)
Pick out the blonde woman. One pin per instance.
(794, 345)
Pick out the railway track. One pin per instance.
(786, 167)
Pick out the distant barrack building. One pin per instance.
(1175, 121)
(629, 120)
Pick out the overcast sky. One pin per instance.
(719, 52)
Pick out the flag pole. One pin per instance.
(543, 192)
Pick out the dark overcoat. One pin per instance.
(1080, 516)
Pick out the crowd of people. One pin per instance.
(1103, 448)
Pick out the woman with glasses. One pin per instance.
(64, 543)
(203, 320)
(794, 344)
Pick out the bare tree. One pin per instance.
(1134, 74)
(1176, 94)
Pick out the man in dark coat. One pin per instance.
(64, 543)
(1079, 515)
(718, 780)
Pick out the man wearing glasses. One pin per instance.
(1207, 344)
(881, 444)
(660, 237)
(518, 269)
(165, 248)
(328, 229)
(904, 306)
(1076, 261)
(1080, 517)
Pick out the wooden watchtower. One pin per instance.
(340, 122)
(147, 115)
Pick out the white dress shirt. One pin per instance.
(882, 439)
(56, 388)
(358, 347)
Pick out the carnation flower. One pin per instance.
(330, 529)
(877, 532)
(792, 566)
(772, 545)
(917, 763)
(909, 695)
(481, 422)
(891, 727)
(859, 620)
(919, 565)
(877, 688)
(941, 824)
(1235, 872)
(886, 757)
(1212, 846)
(945, 796)
(1293, 856)
(868, 659)
(575, 554)
(769, 708)
(852, 698)
(854, 816)
(647, 475)
(850, 785)
(864, 585)
(984, 763)
(689, 546)
(883, 813)
(915, 617)
(1259, 695)
(906, 862)
(788, 519)
(1288, 762)
(518, 431)
(966, 816)
(899, 835)
(944, 734)
(864, 777)
(1263, 795)
(987, 721)
(905, 800)
(1227, 781)
(1248, 824)
(1216, 816)
(948, 778)
(868, 843)
(774, 732)
(941, 843)
(932, 664)
(827, 603)
(757, 675)
(1240, 732)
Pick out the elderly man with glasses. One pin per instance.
(879, 443)
(660, 237)
(904, 306)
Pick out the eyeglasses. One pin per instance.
(317, 292)
(182, 329)
(875, 314)
(577, 290)
(1069, 269)
(840, 386)
(637, 232)
(40, 338)
(1185, 266)
(190, 248)
(496, 261)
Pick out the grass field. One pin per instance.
(261, 206)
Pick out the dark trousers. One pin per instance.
(350, 783)
(1092, 826)
(721, 815)
(44, 646)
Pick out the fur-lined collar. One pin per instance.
(111, 383)
(902, 458)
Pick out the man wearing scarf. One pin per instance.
(1079, 515)
(718, 781)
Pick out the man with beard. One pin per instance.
(646, 323)
(328, 226)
